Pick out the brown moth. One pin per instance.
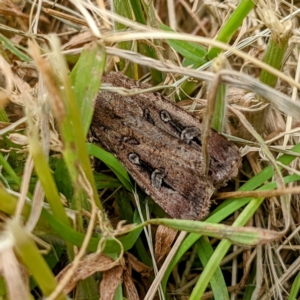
(160, 146)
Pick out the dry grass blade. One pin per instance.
(6, 80)
(257, 194)
(15, 275)
(49, 80)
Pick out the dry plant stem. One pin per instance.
(258, 194)
(194, 17)
(172, 14)
(283, 134)
(37, 18)
(285, 201)
(16, 285)
(65, 16)
(259, 274)
(246, 268)
(7, 85)
(43, 123)
(279, 100)
(12, 126)
(290, 272)
(259, 265)
(234, 266)
(36, 208)
(294, 234)
(290, 169)
(206, 124)
(148, 235)
(84, 12)
(45, 69)
(276, 283)
(288, 125)
(155, 284)
(101, 5)
(117, 37)
(189, 265)
(217, 122)
(184, 286)
(24, 185)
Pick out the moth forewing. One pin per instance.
(160, 145)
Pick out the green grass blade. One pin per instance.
(8, 205)
(10, 171)
(222, 249)
(44, 173)
(67, 113)
(3, 116)
(86, 79)
(30, 255)
(9, 45)
(242, 236)
(232, 24)
(295, 288)
(192, 51)
(217, 282)
(275, 52)
(112, 163)
(104, 181)
(122, 7)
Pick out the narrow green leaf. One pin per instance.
(137, 11)
(217, 282)
(86, 79)
(69, 122)
(295, 288)
(8, 205)
(112, 163)
(7, 167)
(189, 50)
(45, 175)
(62, 179)
(3, 116)
(238, 235)
(274, 55)
(231, 25)
(104, 181)
(30, 255)
(9, 45)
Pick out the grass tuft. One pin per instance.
(56, 186)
